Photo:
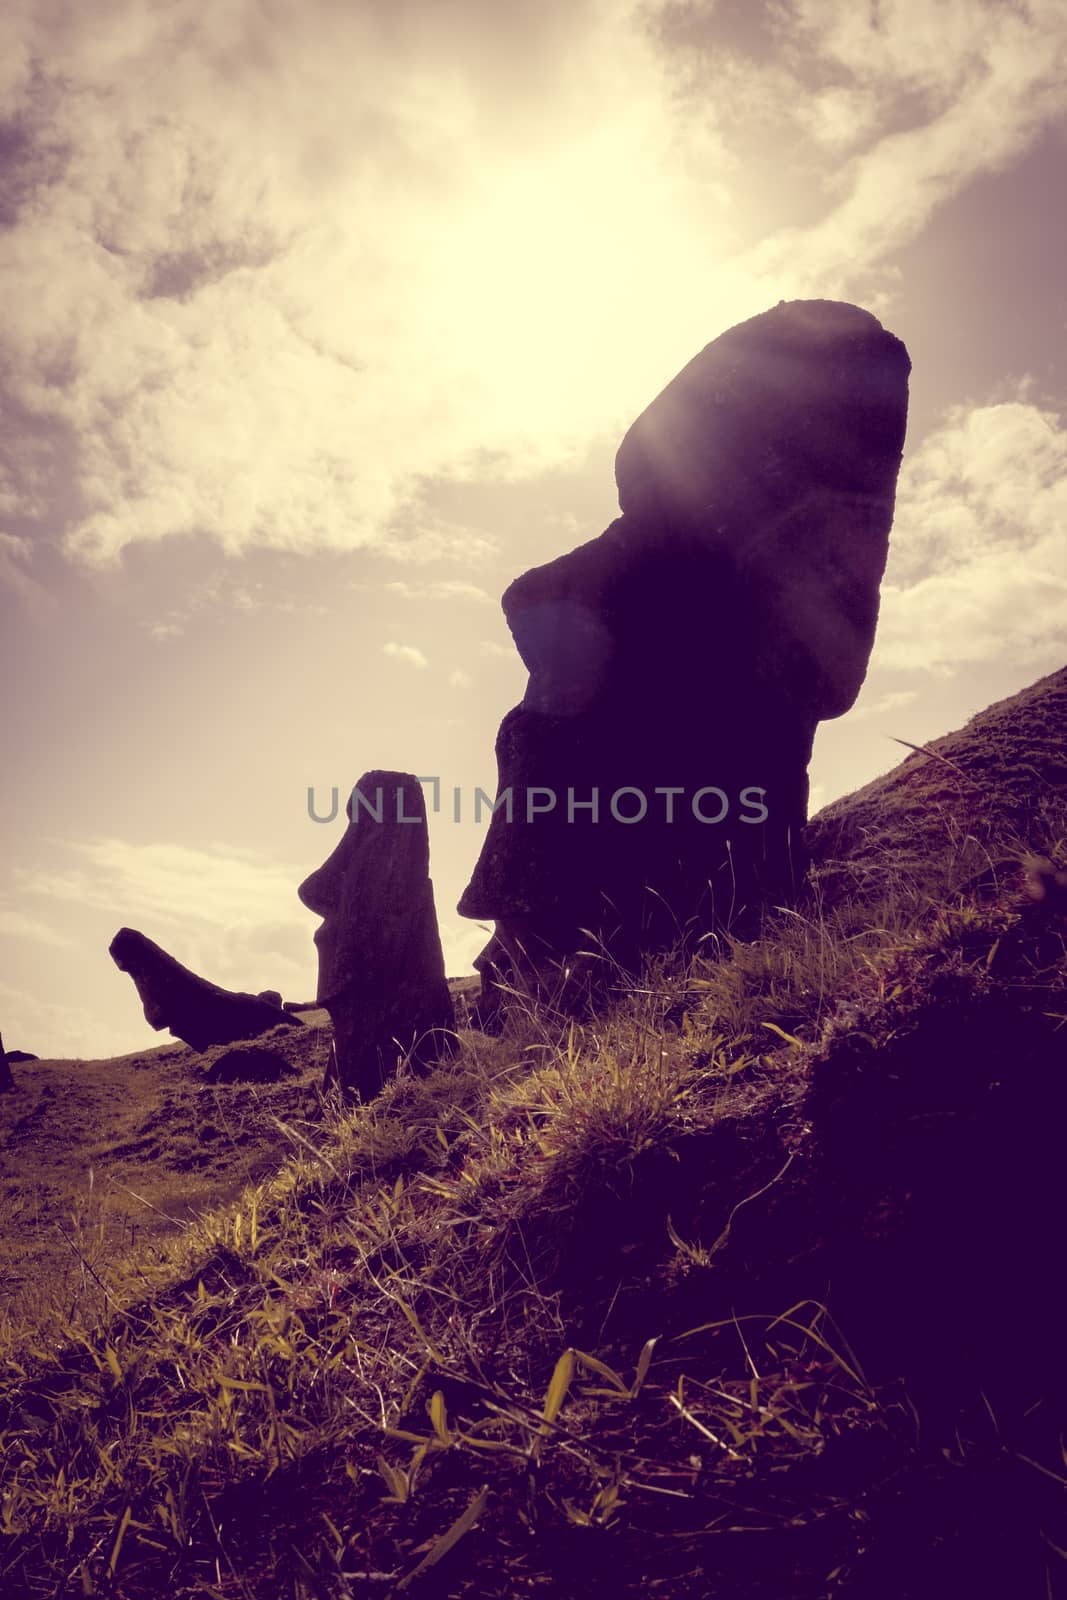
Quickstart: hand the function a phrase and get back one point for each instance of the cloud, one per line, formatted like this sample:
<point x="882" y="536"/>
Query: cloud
<point x="917" y="99"/>
<point x="839" y="118"/>
<point x="460" y="943"/>
<point x="419" y="540"/>
<point x="223" y="594"/>
<point x="409" y="653"/>
<point x="16" y="574"/>
<point x="24" y="474"/>
<point x="907" y="44"/>
<point x="17" y="925"/>
<point x="14" y="548"/>
<point x="272" y="271"/>
<point x="269" y="273"/>
<point x="229" y="915"/>
<point x="891" y="700"/>
<point x="493" y="650"/>
<point x="57" y="1031"/>
<point x="164" y="630"/>
<point x="978" y="561"/>
<point x="443" y="589"/>
<point x="458" y="679"/>
<point x="172" y="882"/>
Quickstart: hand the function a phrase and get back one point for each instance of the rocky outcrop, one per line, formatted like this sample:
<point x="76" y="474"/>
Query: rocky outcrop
<point x="198" y="1012"/>
<point x="381" y="971"/>
<point x="6" y="1080"/>
<point x="680" y="663"/>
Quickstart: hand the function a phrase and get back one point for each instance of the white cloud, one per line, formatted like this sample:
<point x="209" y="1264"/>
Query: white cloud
<point x="53" y="1030"/>
<point x="460" y="943"/>
<point x="921" y="98"/>
<point x="1001" y="610"/>
<point x="434" y="539"/>
<point x="276" y="269"/>
<point x="891" y="700"/>
<point x="493" y="650"/>
<point x="458" y="679"/>
<point x="24" y="475"/>
<point x="909" y="44"/>
<point x="409" y="653"/>
<point x="17" y="925"/>
<point x="230" y="916"/>
<point x="14" y="547"/>
<point x="16" y="575"/>
<point x="173" y="882"/>
<point x="978" y="559"/>
<point x="443" y="589"/>
<point x="989" y="477"/>
<point x="839" y="118"/>
<point x="220" y="595"/>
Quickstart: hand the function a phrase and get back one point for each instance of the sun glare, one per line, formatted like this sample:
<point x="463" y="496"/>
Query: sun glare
<point x="578" y="284"/>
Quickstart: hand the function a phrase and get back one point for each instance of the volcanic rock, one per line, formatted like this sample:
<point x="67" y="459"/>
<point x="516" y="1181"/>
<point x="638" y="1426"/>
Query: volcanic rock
<point x="680" y="663"/>
<point x="381" y="970"/>
<point x="196" y="1011"/>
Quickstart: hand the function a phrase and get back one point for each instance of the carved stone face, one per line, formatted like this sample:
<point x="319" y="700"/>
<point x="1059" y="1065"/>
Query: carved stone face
<point x="381" y="971"/>
<point x="196" y="1011"/>
<point x="382" y="855"/>
<point x="699" y="641"/>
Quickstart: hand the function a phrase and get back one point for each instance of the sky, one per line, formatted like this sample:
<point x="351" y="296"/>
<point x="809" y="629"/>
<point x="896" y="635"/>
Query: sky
<point x="320" y="323"/>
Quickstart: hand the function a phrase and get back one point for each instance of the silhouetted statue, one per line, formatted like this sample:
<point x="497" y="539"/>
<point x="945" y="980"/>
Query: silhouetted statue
<point x="381" y="971"/>
<point x="680" y="662"/>
<point x="197" y="1012"/>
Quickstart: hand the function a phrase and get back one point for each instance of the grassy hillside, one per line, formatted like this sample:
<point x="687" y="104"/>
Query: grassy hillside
<point x="747" y="1286"/>
<point x="99" y="1159"/>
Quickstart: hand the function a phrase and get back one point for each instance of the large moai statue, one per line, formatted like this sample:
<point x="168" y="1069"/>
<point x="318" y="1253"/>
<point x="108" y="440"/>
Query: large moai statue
<point x="653" y="781"/>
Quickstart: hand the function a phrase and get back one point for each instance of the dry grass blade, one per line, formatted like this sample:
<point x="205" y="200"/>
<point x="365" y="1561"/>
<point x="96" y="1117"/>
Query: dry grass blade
<point x="924" y="750"/>
<point x="450" y="1538"/>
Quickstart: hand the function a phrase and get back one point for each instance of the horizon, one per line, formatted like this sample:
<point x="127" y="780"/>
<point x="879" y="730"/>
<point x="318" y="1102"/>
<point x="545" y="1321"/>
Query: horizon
<point x="322" y="328"/>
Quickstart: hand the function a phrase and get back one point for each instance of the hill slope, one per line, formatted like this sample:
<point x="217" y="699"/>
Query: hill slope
<point x="962" y="801"/>
<point x="747" y="1286"/>
<point x="100" y="1157"/>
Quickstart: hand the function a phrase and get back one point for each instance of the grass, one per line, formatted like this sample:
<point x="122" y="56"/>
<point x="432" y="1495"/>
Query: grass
<point x="105" y="1159"/>
<point x="745" y="1285"/>
<point x="319" y="1400"/>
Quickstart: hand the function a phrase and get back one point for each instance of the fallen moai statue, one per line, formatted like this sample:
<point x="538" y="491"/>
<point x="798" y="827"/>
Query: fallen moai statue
<point x="197" y="1012"/>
